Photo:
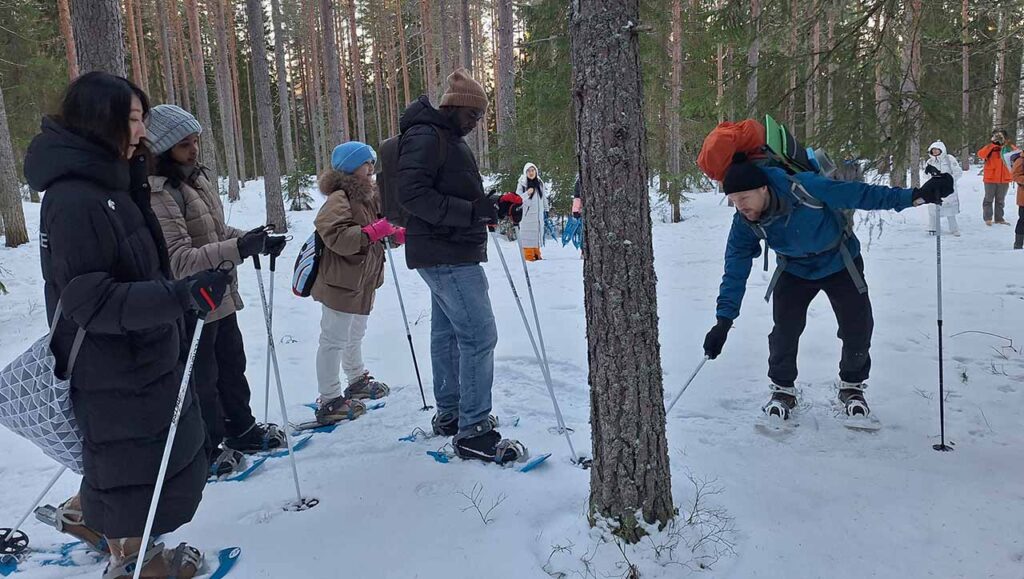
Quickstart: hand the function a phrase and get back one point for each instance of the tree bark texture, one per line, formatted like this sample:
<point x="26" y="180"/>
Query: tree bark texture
<point x="166" y="52"/>
<point x="407" y="91"/>
<point x="631" y="467"/>
<point x="466" y="35"/>
<point x="753" y="57"/>
<point x="181" y="57"/>
<point x="64" y="14"/>
<point x="224" y="96"/>
<point x="236" y="89"/>
<point x="12" y="214"/>
<point x="999" y="92"/>
<point x="133" y="43"/>
<point x="674" y="140"/>
<point x="429" y="58"/>
<point x="282" y="87"/>
<point x="99" y="35"/>
<point x="915" y="112"/>
<point x="336" y="114"/>
<point x="265" y="111"/>
<point x="358" y="84"/>
<point x="140" y="6"/>
<point x="208" y="137"/>
<point x="965" y="85"/>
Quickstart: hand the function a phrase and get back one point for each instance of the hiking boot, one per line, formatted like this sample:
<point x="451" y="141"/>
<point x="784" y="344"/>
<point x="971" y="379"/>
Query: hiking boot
<point x="988" y="222"/>
<point x="367" y="388"/>
<point x="1002" y="222"/>
<point x="851" y="394"/>
<point x="490" y="447"/>
<point x="184" y="562"/>
<point x="337" y="409"/>
<point x="448" y="425"/>
<point x="1018" y="242"/>
<point x="782" y="402"/>
<point x="259" y="437"/>
<point x="226" y="461"/>
<point x="68" y="519"/>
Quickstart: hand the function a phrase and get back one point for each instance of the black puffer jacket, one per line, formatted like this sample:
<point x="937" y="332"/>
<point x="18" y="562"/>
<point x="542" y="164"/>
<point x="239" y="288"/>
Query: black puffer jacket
<point x="103" y="254"/>
<point x="438" y="197"/>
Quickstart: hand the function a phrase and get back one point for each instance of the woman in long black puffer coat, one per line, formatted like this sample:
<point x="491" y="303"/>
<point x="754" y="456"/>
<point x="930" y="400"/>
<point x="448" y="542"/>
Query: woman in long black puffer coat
<point x="103" y="258"/>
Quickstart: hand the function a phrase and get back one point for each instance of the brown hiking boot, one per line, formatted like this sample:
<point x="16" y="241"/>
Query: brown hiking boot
<point x="183" y="562"/>
<point x="68" y="519"/>
<point x="367" y="388"/>
<point x="338" y="409"/>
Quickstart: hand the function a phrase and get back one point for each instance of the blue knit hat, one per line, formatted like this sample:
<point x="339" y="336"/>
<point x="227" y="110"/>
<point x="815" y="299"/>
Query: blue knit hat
<point x="347" y="157"/>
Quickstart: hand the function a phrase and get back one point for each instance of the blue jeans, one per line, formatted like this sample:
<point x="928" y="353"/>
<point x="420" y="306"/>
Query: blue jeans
<point x="462" y="341"/>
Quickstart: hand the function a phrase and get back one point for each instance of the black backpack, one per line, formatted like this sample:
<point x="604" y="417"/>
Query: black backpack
<point x="387" y="176"/>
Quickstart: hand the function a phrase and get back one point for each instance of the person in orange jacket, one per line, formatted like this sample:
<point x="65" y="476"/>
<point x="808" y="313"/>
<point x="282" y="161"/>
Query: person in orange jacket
<point x="997" y="176"/>
<point x="1018" y="177"/>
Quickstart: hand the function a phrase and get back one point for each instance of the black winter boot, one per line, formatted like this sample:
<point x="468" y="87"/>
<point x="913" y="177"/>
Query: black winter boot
<point x="1018" y="241"/>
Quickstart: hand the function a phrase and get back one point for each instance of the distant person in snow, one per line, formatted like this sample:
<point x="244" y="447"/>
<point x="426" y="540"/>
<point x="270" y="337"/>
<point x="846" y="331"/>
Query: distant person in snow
<point x="187" y="204"/>
<point x="534" y="193"/>
<point x="997" y="177"/>
<point x="447" y="241"/>
<point x="801" y="218"/>
<point x="939" y="162"/>
<point x="1018" y="178"/>
<point x="351" y="269"/>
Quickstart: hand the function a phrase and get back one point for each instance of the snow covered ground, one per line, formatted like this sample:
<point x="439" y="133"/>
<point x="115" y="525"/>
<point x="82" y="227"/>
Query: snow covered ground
<point x="822" y="502"/>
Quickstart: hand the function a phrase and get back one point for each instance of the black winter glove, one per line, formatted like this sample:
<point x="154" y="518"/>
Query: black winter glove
<point x="715" y="340"/>
<point x="275" y="245"/>
<point x="485" y="210"/>
<point x="204" y="291"/>
<point x="253" y="242"/>
<point x="932" y="170"/>
<point x="934" y="190"/>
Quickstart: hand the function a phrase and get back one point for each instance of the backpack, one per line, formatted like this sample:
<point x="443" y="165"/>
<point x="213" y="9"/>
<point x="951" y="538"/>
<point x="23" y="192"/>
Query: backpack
<point x="726" y="140"/>
<point x="307" y="265"/>
<point x="387" y="176"/>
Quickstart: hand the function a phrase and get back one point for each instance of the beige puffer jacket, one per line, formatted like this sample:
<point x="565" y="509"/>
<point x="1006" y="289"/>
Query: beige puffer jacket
<point x="199" y="239"/>
<point x="351" y="268"/>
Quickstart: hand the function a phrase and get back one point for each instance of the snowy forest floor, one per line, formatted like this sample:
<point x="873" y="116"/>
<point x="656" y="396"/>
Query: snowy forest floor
<point x="822" y="502"/>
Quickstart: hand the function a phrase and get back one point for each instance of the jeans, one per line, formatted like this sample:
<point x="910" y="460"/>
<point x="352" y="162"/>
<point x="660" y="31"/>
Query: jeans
<point x="341" y="344"/>
<point x="995" y="197"/>
<point x="790" y="301"/>
<point x="219" y="374"/>
<point x="462" y="341"/>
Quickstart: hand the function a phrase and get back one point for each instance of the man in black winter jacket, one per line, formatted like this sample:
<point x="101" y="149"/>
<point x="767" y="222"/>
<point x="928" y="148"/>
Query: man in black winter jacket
<point x="446" y="241"/>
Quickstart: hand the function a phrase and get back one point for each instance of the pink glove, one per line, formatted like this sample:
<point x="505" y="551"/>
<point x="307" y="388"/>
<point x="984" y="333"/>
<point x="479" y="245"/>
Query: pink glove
<point x="378" y="230"/>
<point x="399" y="235"/>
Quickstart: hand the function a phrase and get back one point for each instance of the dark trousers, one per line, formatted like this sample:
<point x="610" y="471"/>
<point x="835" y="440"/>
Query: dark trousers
<point x="790" y="300"/>
<point x="219" y="376"/>
<point x="1019" y="230"/>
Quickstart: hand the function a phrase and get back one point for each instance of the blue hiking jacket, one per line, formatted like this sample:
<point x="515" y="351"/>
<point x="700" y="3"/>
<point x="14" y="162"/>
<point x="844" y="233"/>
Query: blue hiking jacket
<point x="799" y="234"/>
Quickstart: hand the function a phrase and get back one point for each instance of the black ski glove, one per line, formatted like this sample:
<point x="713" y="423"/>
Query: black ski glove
<point x="932" y="170"/>
<point x="934" y="190"/>
<point x="275" y="245"/>
<point x="485" y="211"/>
<point x="253" y="242"/>
<point x="204" y="291"/>
<point x="715" y="340"/>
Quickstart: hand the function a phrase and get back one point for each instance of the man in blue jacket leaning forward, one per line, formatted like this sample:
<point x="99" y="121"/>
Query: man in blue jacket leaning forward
<point x="806" y="219"/>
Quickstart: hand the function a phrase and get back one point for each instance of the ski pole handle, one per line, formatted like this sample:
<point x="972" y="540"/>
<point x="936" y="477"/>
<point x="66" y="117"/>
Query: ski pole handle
<point x="273" y="262"/>
<point x="256" y="262"/>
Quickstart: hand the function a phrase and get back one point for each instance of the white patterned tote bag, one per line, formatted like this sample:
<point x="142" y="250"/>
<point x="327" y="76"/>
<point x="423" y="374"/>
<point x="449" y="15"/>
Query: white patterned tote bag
<point x="36" y="404"/>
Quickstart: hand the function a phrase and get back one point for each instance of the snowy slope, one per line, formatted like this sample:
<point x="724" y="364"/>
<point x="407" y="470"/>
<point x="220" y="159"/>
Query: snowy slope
<point x="823" y="502"/>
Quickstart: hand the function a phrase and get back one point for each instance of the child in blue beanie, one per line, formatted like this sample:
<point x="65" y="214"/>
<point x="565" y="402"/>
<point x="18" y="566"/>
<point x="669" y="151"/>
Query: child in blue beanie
<point x="350" y="271"/>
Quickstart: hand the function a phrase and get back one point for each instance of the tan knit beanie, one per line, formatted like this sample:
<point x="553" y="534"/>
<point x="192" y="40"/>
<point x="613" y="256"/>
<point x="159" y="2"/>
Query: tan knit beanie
<point x="463" y="91"/>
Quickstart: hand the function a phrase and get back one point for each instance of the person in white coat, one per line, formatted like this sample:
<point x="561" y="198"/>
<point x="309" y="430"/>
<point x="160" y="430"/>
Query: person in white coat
<point x="535" y="206"/>
<point x="939" y="161"/>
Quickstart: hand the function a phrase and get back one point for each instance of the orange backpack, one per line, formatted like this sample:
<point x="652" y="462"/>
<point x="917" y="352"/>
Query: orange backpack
<point x="727" y="139"/>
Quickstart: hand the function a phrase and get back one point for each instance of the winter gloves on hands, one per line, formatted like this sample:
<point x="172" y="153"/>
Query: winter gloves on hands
<point x="399" y="236"/>
<point x="932" y="170"/>
<point x="379" y="230"/>
<point x="203" y="292"/>
<point x="275" y="245"/>
<point x="715" y="340"/>
<point x="485" y="211"/>
<point x="934" y="190"/>
<point x="253" y="242"/>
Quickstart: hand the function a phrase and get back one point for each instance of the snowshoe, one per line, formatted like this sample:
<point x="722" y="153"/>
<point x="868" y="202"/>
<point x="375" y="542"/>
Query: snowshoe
<point x="855" y="413"/>
<point x="490" y="447"/>
<point x="448" y="425"/>
<point x="67" y="518"/>
<point x="184" y="562"/>
<point x="227" y="461"/>
<point x="338" y="409"/>
<point x="259" y="438"/>
<point x="367" y="388"/>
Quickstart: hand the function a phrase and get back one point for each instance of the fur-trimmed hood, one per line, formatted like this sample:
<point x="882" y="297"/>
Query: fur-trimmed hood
<point x="333" y="180"/>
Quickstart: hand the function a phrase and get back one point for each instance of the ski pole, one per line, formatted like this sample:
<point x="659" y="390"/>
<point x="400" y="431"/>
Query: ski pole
<point x="547" y="377"/>
<point x="687" y="385"/>
<point x="39" y="499"/>
<point x="405" y="318"/>
<point x="942" y="446"/>
<point x="533" y="303"/>
<point x="182" y="389"/>
<point x="267" y="307"/>
<point x="301" y="504"/>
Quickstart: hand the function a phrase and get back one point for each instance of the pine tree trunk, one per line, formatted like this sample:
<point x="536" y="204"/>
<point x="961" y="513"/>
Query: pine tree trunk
<point x="336" y="115"/>
<point x="311" y="50"/>
<point x="506" y="85"/>
<point x="429" y="62"/>
<point x="404" y="54"/>
<point x="64" y="13"/>
<point x="792" y="48"/>
<point x="466" y="36"/>
<point x="227" y="112"/>
<point x="753" y="57"/>
<point x="915" y="106"/>
<point x="282" y="88"/>
<point x="378" y="83"/>
<point x="181" y="57"/>
<point x="12" y="214"/>
<point x="166" y="53"/>
<point x="236" y="90"/>
<point x="358" y="84"/>
<point x="339" y="26"/>
<point x="631" y="468"/>
<point x="133" y="43"/>
<point x="140" y="31"/>
<point x="208" y="137"/>
<point x="832" y="68"/>
<point x="446" y="59"/>
<point x="720" y="81"/>
<point x="99" y="36"/>
<point x="674" y="141"/>
<point x="265" y="110"/>
<point x="1020" y="107"/>
<point x="999" y="93"/>
<point x="965" y="86"/>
